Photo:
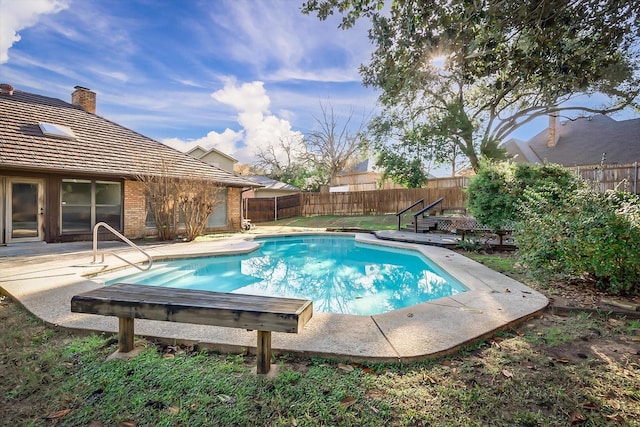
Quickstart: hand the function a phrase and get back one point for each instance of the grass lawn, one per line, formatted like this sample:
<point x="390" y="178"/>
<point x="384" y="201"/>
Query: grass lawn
<point x="550" y="371"/>
<point x="364" y="222"/>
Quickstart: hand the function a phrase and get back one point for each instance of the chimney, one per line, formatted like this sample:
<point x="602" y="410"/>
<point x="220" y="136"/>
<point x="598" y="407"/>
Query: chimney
<point x="6" y="89"/>
<point x="553" y="135"/>
<point x="84" y="98"/>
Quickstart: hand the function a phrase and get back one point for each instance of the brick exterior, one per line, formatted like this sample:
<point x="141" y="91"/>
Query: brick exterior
<point x="135" y="210"/>
<point x="84" y="98"/>
<point x="234" y="209"/>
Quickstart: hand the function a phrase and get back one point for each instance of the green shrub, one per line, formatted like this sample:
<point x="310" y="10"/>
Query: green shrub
<point x="495" y="193"/>
<point x="585" y="236"/>
<point x="564" y="230"/>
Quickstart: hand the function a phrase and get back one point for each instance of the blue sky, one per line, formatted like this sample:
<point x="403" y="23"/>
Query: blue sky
<point x="237" y="75"/>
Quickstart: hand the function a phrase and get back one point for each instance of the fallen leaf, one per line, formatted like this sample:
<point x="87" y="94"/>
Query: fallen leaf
<point x="173" y="410"/>
<point x="225" y="398"/>
<point x="520" y="332"/>
<point x="374" y="410"/>
<point x="347" y="401"/>
<point x="590" y="406"/>
<point x="58" y="414"/>
<point x="507" y="374"/>
<point x="294" y="422"/>
<point x="616" y="417"/>
<point x="635" y="339"/>
<point x="345" y="367"/>
<point x="128" y="424"/>
<point x="577" y="417"/>
<point x="614" y="404"/>
<point x="562" y="360"/>
<point x="374" y="394"/>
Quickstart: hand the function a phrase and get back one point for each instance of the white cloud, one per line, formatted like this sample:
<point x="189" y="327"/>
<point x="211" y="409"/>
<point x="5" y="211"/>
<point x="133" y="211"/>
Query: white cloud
<point x="18" y="15"/>
<point x="260" y="128"/>
<point x="225" y="142"/>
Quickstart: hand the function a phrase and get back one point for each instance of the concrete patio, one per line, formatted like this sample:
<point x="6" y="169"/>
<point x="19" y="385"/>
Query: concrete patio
<point x="44" y="277"/>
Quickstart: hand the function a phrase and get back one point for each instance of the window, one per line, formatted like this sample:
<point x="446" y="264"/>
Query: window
<point x="86" y="202"/>
<point x="218" y="217"/>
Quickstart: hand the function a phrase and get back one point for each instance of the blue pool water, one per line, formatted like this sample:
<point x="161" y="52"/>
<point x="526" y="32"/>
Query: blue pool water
<point x="337" y="273"/>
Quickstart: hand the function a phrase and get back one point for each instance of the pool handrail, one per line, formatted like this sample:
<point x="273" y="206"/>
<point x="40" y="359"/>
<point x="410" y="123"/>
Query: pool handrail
<point x="124" y="239"/>
<point x="399" y="214"/>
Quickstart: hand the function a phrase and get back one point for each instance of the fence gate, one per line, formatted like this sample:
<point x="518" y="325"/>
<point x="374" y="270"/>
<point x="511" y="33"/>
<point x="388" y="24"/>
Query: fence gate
<point x="265" y="209"/>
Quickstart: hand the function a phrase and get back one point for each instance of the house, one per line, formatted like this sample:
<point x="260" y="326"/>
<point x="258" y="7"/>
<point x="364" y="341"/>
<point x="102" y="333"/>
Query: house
<point x="362" y="176"/>
<point x="63" y="169"/>
<point x="214" y="157"/>
<point x="583" y="141"/>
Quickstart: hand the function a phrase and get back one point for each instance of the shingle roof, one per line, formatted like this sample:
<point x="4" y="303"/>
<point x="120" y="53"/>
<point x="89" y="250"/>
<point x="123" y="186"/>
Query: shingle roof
<point x="582" y="142"/>
<point x="101" y="147"/>
<point x="272" y="184"/>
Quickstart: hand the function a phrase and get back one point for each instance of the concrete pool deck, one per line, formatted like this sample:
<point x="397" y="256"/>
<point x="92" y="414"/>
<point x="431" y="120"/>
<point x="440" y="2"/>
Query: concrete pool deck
<point x="44" y="277"/>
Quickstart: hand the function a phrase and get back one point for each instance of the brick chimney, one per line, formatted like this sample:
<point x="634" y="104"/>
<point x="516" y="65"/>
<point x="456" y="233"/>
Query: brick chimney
<point x="553" y="134"/>
<point x="84" y="98"/>
<point x="6" y="89"/>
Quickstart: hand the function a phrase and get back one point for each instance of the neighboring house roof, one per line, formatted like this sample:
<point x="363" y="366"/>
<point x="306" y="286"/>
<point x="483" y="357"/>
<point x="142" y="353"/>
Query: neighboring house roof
<point x="272" y="184"/>
<point x="199" y="152"/>
<point x="368" y="165"/>
<point x="100" y="147"/>
<point x="582" y="142"/>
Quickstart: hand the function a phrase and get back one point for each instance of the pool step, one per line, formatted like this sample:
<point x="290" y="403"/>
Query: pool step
<point x="166" y="277"/>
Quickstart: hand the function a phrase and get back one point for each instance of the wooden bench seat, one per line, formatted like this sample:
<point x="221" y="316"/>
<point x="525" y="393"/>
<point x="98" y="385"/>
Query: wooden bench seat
<point x="261" y="313"/>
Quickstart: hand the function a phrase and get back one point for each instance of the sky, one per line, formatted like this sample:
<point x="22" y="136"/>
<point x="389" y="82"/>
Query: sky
<point x="235" y="75"/>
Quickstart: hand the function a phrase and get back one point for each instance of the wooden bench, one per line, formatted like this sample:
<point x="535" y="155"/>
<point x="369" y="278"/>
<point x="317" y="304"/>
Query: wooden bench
<point x="264" y="314"/>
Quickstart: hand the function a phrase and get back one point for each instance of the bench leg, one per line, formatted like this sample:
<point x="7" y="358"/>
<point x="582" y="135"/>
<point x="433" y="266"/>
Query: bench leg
<point x="125" y="334"/>
<point x="263" y="352"/>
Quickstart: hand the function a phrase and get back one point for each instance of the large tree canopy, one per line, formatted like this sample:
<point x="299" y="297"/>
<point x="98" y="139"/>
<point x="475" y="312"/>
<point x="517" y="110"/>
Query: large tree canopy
<point x="503" y="63"/>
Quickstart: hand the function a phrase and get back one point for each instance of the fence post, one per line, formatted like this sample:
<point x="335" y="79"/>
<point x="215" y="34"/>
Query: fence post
<point x="275" y="208"/>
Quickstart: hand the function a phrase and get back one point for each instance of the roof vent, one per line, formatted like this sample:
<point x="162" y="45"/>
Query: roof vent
<point x="6" y="89"/>
<point x="56" y="131"/>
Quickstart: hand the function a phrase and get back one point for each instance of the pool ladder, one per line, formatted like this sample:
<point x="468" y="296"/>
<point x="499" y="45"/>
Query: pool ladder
<point x="124" y="239"/>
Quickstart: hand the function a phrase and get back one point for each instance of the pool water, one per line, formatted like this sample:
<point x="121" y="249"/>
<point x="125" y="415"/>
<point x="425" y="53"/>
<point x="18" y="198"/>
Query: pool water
<point x="337" y="273"/>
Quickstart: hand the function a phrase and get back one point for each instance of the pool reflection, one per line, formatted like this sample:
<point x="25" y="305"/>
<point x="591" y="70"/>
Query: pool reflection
<point x="337" y="273"/>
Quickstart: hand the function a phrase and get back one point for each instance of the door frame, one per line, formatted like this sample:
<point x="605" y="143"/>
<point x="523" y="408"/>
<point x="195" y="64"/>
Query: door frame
<point x="8" y="222"/>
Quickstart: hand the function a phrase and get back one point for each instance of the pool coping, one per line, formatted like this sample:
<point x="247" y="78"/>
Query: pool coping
<point x="45" y="284"/>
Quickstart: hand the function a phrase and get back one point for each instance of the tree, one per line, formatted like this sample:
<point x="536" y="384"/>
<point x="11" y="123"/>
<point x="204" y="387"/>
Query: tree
<point x="503" y="64"/>
<point x="332" y="144"/>
<point x="171" y="197"/>
<point x="290" y="162"/>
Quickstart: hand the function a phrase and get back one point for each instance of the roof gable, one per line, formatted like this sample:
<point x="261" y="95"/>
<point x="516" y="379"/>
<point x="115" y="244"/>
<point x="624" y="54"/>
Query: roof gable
<point x="101" y="147"/>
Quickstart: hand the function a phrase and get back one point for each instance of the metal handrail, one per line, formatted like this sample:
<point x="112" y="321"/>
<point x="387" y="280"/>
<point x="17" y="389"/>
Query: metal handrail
<point x="124" y="239"/>
<point x="422" y="211"/>
<point x="399" y="214"/>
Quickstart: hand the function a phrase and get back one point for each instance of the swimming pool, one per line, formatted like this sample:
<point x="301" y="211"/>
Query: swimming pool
<point x="339" y="274"/>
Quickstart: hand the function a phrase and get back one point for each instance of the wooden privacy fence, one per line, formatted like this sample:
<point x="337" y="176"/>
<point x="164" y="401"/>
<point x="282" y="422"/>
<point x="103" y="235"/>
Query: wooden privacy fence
<point x="610" y="177"/>
<point x="376" y="202"/>
<point x="265" y="209"/>
<point x="351" y="203"/>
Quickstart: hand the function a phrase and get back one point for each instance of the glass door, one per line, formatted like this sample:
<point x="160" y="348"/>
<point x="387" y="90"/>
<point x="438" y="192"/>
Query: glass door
<point x="25" y="210"/>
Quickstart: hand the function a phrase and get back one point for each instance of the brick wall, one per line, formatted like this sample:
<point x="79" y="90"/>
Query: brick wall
<point x="234" y="208"/>
<point x="135" y="212"/>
